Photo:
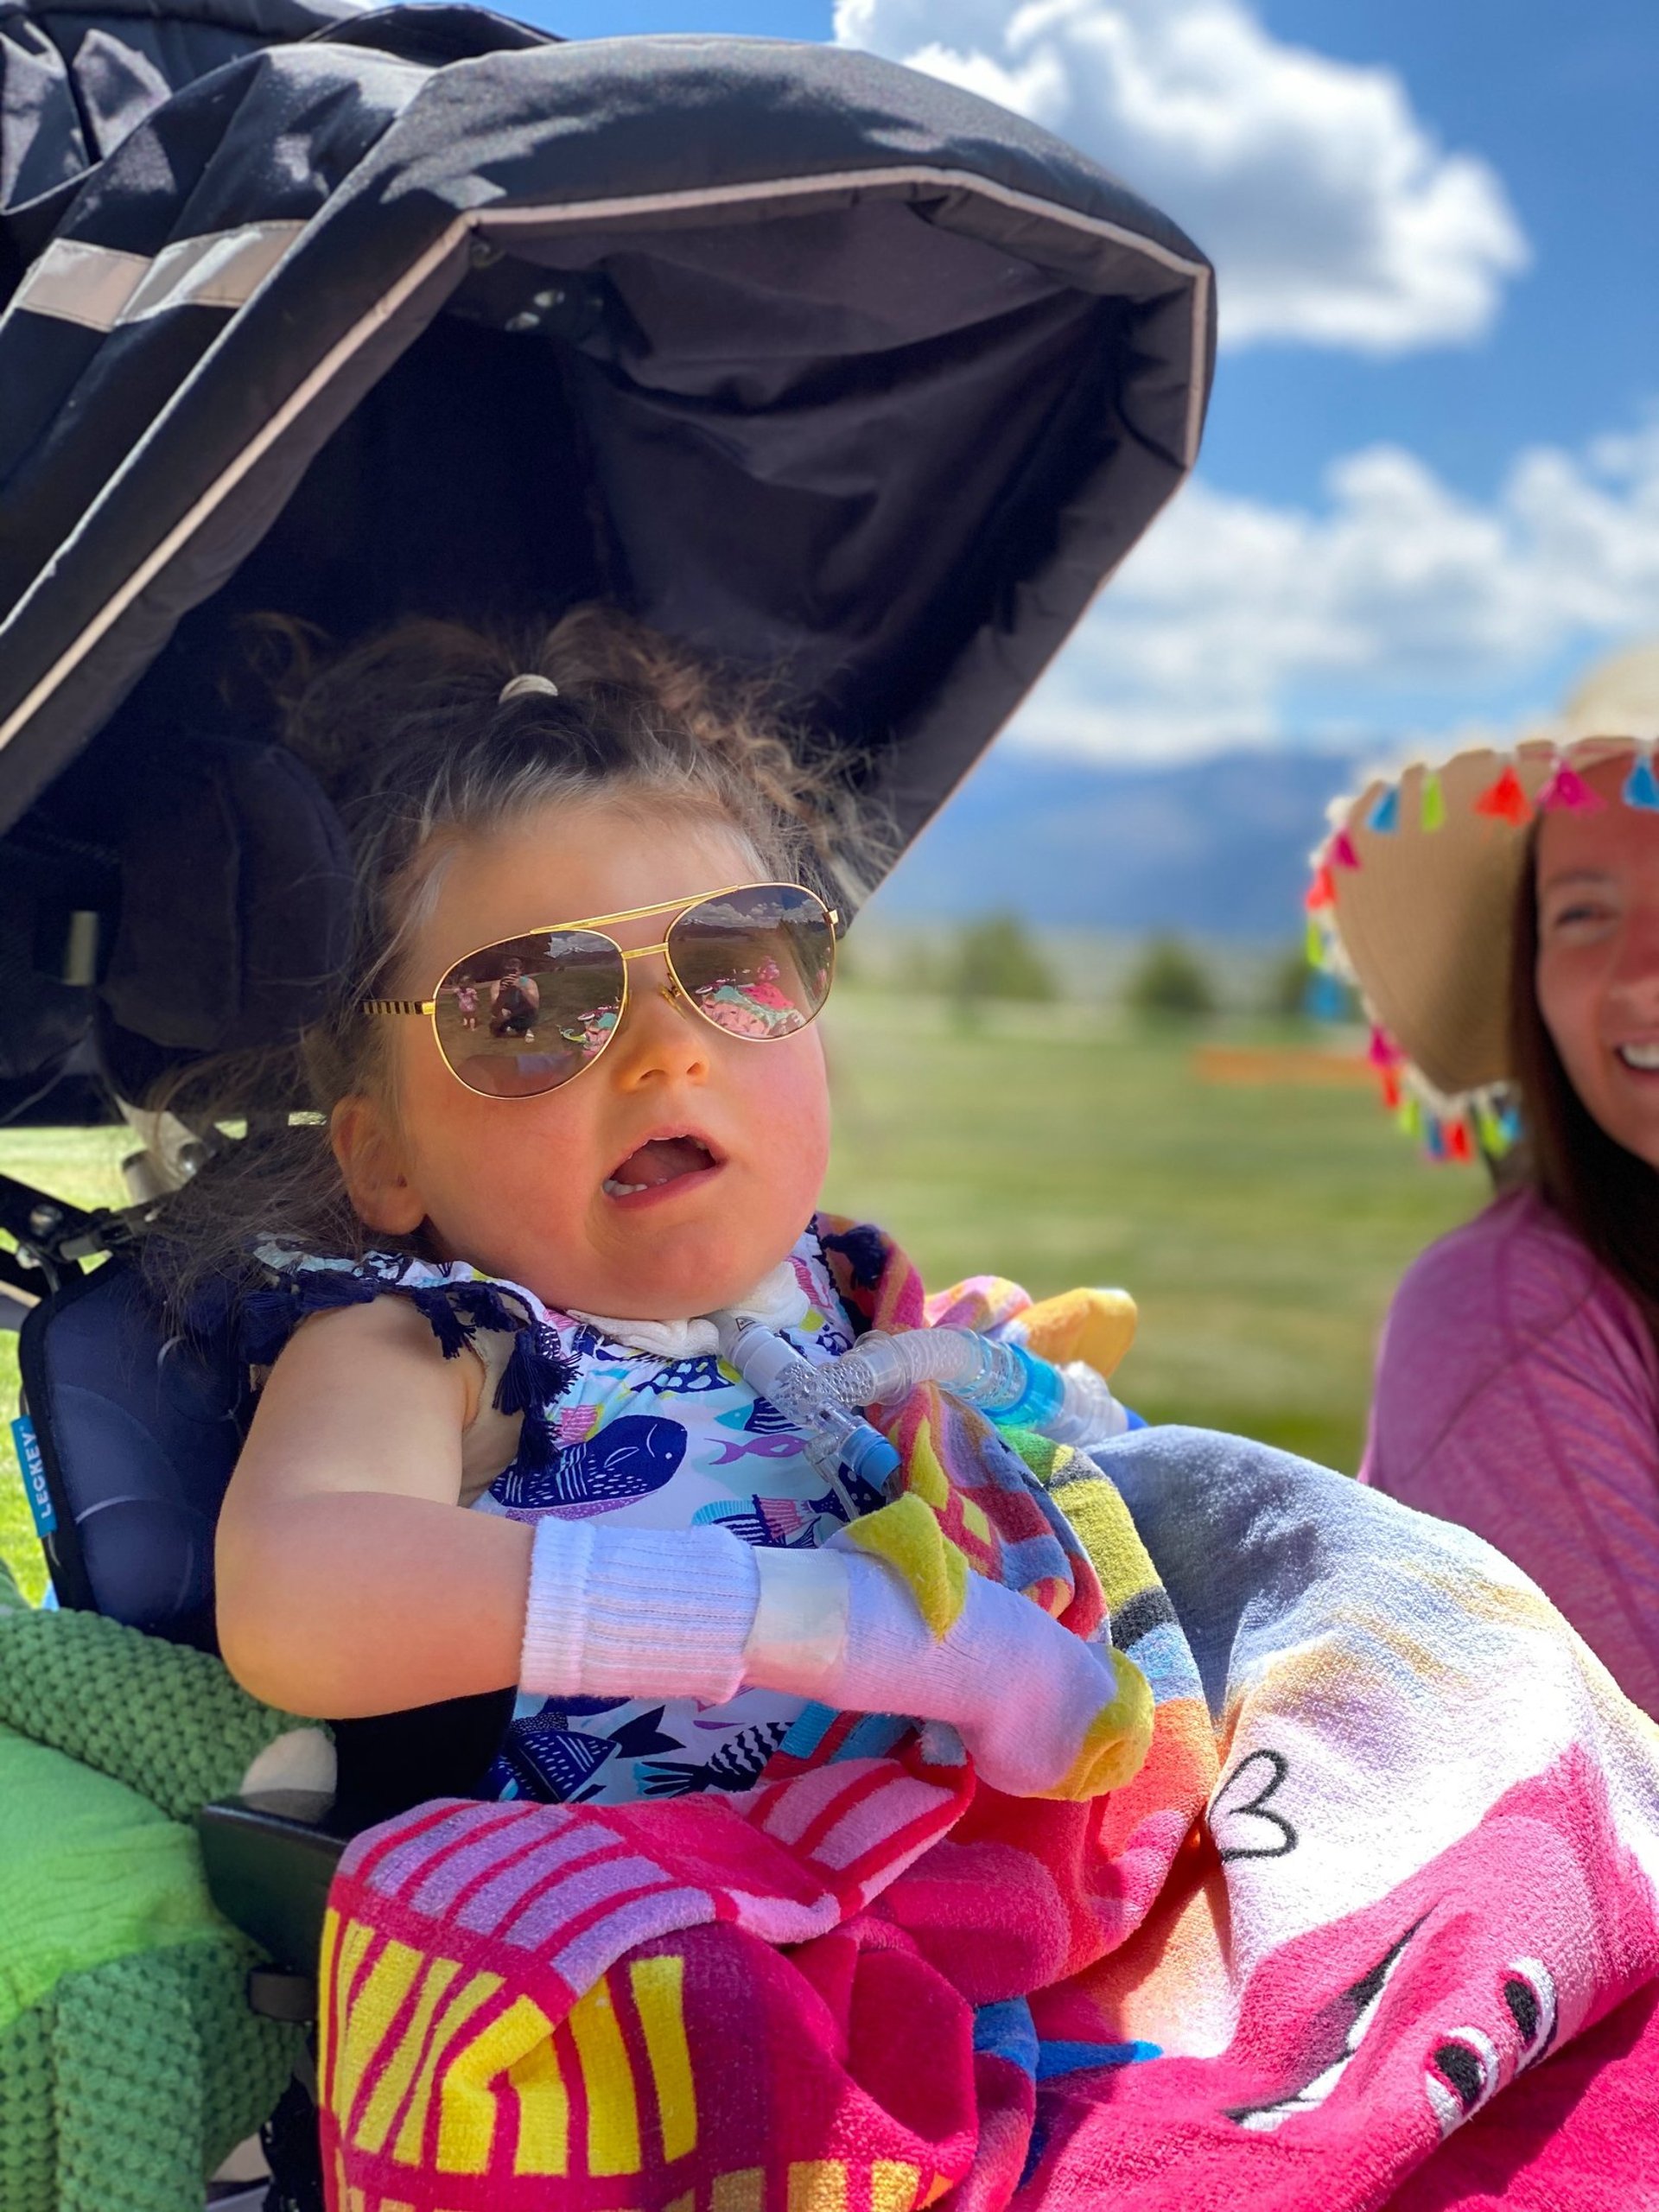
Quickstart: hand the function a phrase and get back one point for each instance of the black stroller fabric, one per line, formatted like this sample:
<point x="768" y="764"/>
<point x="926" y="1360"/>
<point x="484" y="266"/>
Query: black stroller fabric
<point x="811" y="361"/>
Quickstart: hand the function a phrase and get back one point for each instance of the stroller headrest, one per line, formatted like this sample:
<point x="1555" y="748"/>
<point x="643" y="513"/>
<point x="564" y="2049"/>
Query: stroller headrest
<point x="213" y="921"/>
<point x="51" y="909"/>
<point x="234" y="908"/>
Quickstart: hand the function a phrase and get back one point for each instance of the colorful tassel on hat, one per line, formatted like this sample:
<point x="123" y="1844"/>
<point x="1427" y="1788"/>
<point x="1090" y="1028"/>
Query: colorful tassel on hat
<point x="1340" y="851"/>
<point x="1458" y="1146"/>
<point x="1492" y="1128"/>
<point x="1391" y="1088"/>
<point x="1384" y="817"/>
<point x="1567" y="792"/>
<point x="1505" y="800"/>
<point x="1322" y="892"/>
<point x="1328" y="998"/>
<point x="1382" y="1051"/>
<point x="1315" y="944"/>
<point x="1434" y="802"/>
<point x="1641" y="786"/>
<point x="1410" y="1115"/>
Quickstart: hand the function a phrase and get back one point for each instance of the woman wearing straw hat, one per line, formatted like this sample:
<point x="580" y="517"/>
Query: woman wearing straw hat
<point x="1500" y="916"/>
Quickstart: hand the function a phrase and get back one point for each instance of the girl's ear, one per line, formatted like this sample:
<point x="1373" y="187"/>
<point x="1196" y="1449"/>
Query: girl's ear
<point x="370" y="1156"/>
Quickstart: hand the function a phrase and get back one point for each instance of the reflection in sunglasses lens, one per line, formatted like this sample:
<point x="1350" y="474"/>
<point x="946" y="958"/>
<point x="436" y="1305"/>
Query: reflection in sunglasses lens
<point x="758" y="961"/>
<point x="524" y="1016"/>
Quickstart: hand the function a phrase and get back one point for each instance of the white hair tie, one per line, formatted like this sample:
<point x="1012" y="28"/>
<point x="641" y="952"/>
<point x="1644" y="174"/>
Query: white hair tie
<point x="519" y="687"/>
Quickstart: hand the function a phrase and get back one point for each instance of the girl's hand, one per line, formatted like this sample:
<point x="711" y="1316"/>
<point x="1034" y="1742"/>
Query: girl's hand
<point x="1033" y="1704"/>
<point x="642" y="1612"/>
<point x="350" y="1580"/>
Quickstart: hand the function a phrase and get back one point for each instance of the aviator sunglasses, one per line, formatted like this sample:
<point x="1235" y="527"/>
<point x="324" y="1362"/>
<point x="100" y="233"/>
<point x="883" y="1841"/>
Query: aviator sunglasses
<point x="522" y="1017"/>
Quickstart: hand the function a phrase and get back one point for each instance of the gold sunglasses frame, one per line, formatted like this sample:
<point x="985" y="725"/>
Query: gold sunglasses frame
<point x="675" y="988"/>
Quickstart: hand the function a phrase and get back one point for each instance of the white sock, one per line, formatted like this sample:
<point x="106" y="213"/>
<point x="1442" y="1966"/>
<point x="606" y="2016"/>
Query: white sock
<point x="637" y="1612"/>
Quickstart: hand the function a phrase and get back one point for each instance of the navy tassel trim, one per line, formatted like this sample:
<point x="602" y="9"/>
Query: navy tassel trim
<point x="454" y="1312"/>
<point x="268" y="1317"/>
<point x="539" y="1373"/>
<point x="484" y="1305"/>
<point x="437" y="1307"/>
<point x="539" y="1450"/>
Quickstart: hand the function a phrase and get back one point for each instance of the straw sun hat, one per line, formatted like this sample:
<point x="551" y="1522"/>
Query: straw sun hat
<point x="1413" y="891"/>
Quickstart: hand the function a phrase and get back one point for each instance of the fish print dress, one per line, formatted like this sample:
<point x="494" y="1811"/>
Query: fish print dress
<point x="615" y="1434"/>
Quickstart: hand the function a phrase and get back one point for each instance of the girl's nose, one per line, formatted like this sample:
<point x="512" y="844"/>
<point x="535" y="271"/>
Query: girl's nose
<point x="662" y="1037"/>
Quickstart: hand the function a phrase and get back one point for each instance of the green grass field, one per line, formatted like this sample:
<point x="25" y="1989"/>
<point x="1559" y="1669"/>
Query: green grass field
<point x="1261" y="1229"/>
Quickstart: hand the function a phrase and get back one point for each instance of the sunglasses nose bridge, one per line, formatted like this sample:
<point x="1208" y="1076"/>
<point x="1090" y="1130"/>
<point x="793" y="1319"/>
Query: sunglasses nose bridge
<point x="665" y="984"/>
<point x="659" y="980"/>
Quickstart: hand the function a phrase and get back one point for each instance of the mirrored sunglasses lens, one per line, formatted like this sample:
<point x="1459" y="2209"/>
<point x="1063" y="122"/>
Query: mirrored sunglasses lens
<point x="525" y="1015"/>
<point x="758" y="961"/>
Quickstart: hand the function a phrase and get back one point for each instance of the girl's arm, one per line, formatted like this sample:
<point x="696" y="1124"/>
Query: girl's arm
<point x="350" y="1580"/>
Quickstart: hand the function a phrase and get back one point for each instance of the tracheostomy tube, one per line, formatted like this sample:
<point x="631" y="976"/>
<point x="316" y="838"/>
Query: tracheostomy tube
<point x="847" y="1449"/>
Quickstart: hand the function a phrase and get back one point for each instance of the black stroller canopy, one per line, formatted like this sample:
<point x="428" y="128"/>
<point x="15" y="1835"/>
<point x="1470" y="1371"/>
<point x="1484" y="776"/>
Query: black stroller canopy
<point x="808" y="360"/>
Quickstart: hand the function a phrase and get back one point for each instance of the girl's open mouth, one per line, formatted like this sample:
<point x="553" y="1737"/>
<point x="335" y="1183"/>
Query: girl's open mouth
<point x="660" y="1166"/>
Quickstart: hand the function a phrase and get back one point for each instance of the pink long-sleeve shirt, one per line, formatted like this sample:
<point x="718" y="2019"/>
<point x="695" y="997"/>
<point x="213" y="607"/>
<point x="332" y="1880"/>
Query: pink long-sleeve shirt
<point x="1517" y="1392"/>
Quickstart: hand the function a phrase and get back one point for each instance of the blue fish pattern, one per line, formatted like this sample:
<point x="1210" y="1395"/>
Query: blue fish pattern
<point x="628" y="1460"/>
<point x="666" y="1444"/>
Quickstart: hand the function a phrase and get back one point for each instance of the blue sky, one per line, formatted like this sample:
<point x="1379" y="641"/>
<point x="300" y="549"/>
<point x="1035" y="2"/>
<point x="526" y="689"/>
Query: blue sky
<point x="1429" y="496"/>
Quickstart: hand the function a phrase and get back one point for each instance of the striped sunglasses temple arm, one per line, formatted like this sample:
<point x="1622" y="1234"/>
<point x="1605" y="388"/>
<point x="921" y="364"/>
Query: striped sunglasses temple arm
<point x="396" y="1006"/>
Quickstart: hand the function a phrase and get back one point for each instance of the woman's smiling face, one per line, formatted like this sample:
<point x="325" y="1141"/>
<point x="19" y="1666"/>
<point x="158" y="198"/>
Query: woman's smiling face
<point x="519" y="1186"/>
<point x="1597" y="879"/>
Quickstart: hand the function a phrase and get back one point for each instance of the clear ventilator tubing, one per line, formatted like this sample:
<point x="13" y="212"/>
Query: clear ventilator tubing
<point x="1069" y="1405"/>
<point x="881" y="1370"/>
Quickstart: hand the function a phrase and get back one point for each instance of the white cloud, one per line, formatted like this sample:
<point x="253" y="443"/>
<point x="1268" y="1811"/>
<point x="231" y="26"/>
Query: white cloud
<point x="1332" y="215"/>
<point x="1232" y="612"/>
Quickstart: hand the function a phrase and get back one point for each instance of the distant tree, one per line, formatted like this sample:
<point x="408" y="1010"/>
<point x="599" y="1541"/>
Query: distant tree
<point x="1289" y="987"/>
<point x="997" y="957"/>
<point x="921" y="966"/>
<point x="1171" y="980"/>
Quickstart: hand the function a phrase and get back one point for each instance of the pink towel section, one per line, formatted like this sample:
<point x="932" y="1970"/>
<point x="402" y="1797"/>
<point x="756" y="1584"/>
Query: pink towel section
<point x="1374" y="1929"/>
<point x="1517" y="1394"/>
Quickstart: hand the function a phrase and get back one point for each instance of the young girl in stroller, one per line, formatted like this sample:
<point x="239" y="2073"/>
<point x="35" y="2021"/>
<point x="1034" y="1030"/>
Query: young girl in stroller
<point x="499" y="1444"/>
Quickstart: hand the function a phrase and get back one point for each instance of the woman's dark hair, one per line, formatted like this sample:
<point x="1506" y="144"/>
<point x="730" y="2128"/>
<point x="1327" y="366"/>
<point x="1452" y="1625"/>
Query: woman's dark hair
<point x="1607" y="1196"/>
<point x="410" y="738"/>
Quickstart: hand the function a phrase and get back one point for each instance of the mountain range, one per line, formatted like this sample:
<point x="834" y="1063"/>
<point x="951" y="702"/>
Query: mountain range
<point x="1214" y="848"/>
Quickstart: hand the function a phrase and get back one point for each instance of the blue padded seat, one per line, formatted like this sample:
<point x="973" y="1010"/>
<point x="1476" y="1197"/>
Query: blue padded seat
<point x="138" y="1430"/>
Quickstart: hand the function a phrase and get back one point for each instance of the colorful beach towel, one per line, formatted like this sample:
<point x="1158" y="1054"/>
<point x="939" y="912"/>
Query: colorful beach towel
<point x="1391" y="1844"/>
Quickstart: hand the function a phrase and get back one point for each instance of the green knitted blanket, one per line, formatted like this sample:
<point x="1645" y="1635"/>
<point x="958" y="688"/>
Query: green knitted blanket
<point x="129" y="2064"/>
